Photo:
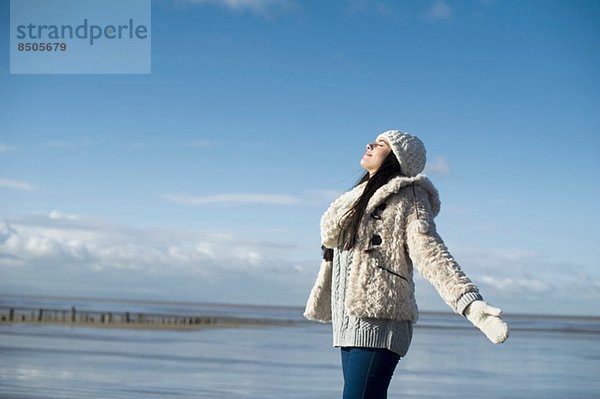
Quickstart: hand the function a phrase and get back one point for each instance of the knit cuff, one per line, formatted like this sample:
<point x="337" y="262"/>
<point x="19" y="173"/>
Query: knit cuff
<point x="466" y="300"/>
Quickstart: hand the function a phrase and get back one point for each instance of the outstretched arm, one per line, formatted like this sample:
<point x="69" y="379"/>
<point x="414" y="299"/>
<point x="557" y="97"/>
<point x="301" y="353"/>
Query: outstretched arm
<point x="433" y="260"/>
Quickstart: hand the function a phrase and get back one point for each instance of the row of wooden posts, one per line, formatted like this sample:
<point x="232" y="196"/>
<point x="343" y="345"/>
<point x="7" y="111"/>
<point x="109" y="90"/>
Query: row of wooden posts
<point x="66" y="316"/>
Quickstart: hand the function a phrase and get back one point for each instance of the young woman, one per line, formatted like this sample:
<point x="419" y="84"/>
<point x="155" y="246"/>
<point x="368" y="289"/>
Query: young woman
<point x="371" y="237"/>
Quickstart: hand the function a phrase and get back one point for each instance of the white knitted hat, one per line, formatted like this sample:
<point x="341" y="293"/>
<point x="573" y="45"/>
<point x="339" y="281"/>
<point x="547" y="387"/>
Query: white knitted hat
<point x="408" y="149"/>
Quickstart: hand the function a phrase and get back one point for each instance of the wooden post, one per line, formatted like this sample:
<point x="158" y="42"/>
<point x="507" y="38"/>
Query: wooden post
<point x="73" y="314"/>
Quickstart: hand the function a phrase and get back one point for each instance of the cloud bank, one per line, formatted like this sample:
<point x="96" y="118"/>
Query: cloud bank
<point x="260" y="7"/>
<point x="60" y="253"/>
<point x="439" y="10"/>
<point x="16" y="184"/>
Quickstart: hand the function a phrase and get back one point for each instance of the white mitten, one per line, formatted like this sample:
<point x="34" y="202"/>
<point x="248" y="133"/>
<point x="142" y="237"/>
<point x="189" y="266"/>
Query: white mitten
<point x="487" y="319"/>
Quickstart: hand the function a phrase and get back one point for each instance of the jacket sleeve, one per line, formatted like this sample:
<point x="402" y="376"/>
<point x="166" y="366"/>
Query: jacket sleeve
<point x="432" y="258"/>
<point x="318" y="306"/>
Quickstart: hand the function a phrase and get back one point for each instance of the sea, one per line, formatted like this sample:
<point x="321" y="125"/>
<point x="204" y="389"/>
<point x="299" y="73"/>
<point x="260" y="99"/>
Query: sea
<point x="545" y="357"/>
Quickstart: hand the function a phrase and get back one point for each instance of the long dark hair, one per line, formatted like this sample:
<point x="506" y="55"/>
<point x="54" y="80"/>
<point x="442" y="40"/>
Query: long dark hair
<point x="350" y="221"/>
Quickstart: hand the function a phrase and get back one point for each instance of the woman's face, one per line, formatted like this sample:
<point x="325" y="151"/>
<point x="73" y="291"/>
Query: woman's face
<point x="375" y="155"/>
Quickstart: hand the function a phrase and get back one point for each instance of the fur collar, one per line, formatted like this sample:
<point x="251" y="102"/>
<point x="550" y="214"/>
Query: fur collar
<point x="329" y="225"/>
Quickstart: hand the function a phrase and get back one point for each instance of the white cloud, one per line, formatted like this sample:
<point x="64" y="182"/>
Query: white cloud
<point x="155" y="142"/>
<point x="526" y="272"/>
<point x="57" y="215"/>
<point x="5" y="148"/>
<point x="520" y="280"/>
<point x="76" y="143"/>
<point x="438" y="10"/>
<point x="517" y="285"/>
<point x="261" y="7"/>
<point x="439" y="167"/>
<point x="380" y="7"/>
<point x="311" y="197"/>
<point x="233" y="198"/>
<point x="55" y="253"/>
<point x="320" y="197"/>
<point x="17" y="184"/>
<point x="59" y="239"/>
<point x="202" y="143"/>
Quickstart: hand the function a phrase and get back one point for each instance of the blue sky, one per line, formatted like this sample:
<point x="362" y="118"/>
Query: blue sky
<point x="205" y="180"/>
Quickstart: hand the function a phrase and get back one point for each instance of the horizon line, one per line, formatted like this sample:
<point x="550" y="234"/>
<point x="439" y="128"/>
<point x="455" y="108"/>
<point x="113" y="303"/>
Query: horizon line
<point x="258" y="305"/>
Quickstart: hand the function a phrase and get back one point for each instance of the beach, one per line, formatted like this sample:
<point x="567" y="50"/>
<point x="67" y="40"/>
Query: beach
<point x="545" y="357"/>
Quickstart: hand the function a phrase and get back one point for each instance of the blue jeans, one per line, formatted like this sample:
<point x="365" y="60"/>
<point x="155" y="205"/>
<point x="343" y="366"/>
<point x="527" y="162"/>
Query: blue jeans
<point x="367" y="372"/>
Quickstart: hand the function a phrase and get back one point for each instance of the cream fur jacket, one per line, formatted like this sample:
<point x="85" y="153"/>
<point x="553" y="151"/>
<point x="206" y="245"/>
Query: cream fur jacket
<point x="397" y="231"/>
